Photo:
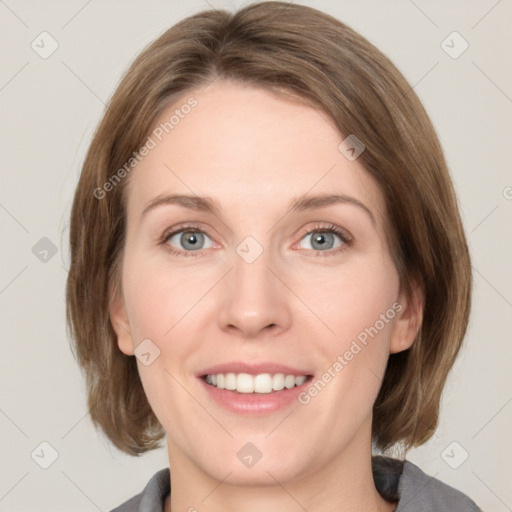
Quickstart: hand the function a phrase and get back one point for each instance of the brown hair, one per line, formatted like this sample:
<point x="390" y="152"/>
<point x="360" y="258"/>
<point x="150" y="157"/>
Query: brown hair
<point x="294" y="48"/>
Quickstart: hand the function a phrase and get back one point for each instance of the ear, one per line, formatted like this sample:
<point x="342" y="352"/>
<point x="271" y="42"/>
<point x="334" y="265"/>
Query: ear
<point x="407" y="321"/>
<point x="120" y="324"/>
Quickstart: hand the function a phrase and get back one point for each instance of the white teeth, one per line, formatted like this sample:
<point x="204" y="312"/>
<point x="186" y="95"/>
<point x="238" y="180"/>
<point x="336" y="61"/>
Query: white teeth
<point x="278" y="382"/>
<point x="244" y="383"/>
<point x="230" y="381"/>
<point x="300" y="380"/>
<point x="261" y="383"/>
<point x="289" y="382"/>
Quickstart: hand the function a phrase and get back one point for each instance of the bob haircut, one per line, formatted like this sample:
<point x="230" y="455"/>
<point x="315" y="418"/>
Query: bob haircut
<point x="304" y="53"/>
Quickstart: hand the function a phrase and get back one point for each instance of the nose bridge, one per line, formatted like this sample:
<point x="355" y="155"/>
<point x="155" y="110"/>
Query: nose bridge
<point x="251" y="270"/>
<point x="254" y="298"/>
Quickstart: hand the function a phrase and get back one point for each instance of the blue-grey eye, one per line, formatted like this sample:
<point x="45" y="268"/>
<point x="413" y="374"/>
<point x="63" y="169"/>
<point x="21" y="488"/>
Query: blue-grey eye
<point x="322" y="240"/>
<point x="190" y="240"/>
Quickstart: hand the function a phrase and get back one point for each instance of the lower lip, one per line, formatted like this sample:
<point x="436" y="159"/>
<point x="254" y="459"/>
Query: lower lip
<point x="254" y="403"/>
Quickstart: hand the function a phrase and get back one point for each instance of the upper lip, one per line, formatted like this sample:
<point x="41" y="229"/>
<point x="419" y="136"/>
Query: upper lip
<point x="252" y="369"/>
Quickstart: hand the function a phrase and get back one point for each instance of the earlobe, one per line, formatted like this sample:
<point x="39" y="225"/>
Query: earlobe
<point x="120" y="324"/>
<point x="407" y="322"/>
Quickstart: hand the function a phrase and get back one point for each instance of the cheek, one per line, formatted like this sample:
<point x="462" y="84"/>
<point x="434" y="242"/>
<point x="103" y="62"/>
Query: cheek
<point x="160" y="305"/>
<point x="352" y="301"/>
<point x="160" y="298"/>
<point x="359" y="307"/>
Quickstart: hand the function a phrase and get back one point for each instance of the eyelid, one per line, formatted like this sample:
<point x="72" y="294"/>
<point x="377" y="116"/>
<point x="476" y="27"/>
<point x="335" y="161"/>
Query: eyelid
<point x="345" y="236"/>
<point x="328" y="227"/>
<point x="182" y="228"/>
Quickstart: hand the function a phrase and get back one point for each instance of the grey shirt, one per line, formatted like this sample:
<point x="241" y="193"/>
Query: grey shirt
<point x="405" y="482"/>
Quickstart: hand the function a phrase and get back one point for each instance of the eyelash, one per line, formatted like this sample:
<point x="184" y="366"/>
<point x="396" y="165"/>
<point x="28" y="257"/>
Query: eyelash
<point x="345" y="237"/>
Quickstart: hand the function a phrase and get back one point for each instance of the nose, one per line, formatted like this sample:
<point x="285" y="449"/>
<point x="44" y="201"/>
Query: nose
<point x="254" y="299"/>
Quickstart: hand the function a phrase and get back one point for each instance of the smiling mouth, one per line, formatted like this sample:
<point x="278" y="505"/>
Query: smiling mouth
<point x="262" y="383"/>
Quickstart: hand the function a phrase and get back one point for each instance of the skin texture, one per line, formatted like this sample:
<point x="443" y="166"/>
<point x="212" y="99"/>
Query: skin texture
<point x="253" y="153"/>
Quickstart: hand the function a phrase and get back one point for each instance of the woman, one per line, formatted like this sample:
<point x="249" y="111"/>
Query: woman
<point x="268" y="266"/>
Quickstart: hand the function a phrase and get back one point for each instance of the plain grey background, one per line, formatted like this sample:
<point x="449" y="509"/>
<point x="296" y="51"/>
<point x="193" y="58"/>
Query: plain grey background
<point x="50" y="106"/>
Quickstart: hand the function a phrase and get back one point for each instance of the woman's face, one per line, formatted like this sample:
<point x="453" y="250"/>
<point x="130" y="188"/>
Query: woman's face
<point x="233" y="284"/>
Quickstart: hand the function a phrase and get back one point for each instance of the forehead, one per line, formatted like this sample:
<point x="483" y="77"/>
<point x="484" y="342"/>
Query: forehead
<point x="247" y="146"/>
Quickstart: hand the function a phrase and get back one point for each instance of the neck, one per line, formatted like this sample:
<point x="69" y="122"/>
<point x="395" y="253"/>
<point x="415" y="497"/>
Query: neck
<point x="344" y="484"/>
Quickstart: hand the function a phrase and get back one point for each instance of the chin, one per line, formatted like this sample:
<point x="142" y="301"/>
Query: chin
<point x="246" y="465"/>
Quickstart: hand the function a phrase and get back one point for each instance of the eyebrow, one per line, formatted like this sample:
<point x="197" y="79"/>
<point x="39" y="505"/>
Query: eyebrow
<point x="207" y="204"/>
